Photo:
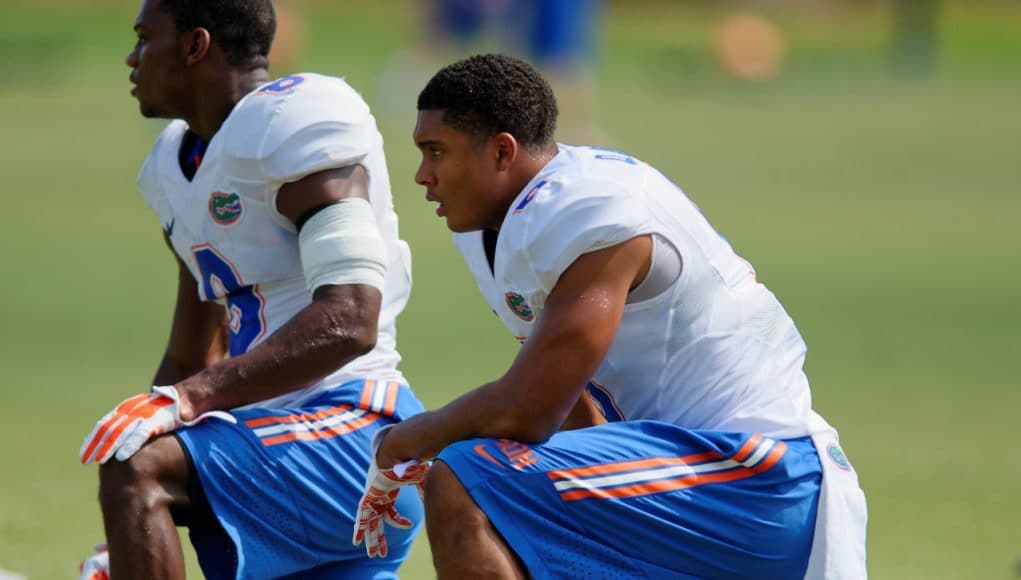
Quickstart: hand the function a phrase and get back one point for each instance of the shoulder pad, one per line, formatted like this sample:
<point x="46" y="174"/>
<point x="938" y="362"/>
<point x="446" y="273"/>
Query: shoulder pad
<point x="568" y="218"/>
<point x="273" y="113"/>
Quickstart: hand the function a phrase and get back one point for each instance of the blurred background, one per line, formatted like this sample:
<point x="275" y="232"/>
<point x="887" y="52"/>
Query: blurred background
<point x="865" y="155"/>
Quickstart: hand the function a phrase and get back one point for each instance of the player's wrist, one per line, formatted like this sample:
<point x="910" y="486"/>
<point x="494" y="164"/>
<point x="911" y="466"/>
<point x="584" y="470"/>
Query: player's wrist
<point x="393" y="447"/>
<point x="186" y="407"/>
<point x="384" y="451"/>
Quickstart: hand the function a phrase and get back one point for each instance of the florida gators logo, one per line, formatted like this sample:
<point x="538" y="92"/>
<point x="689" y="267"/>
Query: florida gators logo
<point x="225" y="208"/>
<point x="519" y="306"/>
<point x="837" y="456"/>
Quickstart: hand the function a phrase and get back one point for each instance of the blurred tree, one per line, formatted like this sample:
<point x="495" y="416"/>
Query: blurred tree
<point x="915" y="43"/>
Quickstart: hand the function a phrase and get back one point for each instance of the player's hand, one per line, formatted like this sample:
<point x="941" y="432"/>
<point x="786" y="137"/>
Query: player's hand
<point x="123" y="431"/>
<point x="96" y="566"/>
<point x="377" y="506"/>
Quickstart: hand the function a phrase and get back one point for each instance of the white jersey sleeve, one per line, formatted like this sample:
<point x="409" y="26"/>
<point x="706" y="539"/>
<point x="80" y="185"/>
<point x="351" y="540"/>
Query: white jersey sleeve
<point x="300" y="125"/>
<point x="563" y="226"/>
<point x="574" y="217"/>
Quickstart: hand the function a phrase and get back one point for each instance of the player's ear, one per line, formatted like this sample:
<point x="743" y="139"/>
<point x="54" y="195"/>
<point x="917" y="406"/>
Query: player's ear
<point x="506" y="150"/>
<point x="198" y="43"/>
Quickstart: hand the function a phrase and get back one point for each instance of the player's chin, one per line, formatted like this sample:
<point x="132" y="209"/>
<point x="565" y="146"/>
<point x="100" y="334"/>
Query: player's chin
<point x="147" y="111"/>
<point x="458" y="227"/>
<point x="459" y="222"/>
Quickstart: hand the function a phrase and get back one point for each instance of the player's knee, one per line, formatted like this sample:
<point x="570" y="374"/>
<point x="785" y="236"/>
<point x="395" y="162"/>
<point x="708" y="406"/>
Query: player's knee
<point x="145" y="477"/>
<point x="447" y="502"/>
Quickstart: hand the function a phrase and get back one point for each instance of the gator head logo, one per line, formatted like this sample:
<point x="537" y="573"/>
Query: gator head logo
<point x="224" y="208"/>
<point x="837" y="456"/>
<point x="519" y="306"/>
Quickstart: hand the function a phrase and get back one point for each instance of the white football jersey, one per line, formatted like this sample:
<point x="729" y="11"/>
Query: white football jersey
<point x="225" y="226"/>
<point x="715" y="350"/>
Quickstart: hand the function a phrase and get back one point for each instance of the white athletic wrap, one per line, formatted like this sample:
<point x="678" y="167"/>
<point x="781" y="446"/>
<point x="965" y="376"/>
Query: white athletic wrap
<point x="341" y="244"/>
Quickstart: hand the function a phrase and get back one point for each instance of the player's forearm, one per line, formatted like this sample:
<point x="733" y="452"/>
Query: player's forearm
<point x="475" y="414"/>
<point x="320" y="339"/>
<point x="186" y="356"/>
<point x="495" y="410"/>
<point x="172" y="371"/>
<point x="529" y="403"/>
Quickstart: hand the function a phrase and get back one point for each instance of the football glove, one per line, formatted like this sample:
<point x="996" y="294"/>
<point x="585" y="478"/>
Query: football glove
<point x="377" y="506"/>
<point x="96" y="566"/>
<point x="123" y="431"/>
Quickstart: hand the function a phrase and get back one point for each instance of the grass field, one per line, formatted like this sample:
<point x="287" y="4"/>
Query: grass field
<point x="882" y="211"/>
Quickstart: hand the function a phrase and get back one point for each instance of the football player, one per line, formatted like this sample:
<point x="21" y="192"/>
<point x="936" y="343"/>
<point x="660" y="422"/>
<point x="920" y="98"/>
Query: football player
<point x="712" y="463"/>
<point x="275" y="200"/>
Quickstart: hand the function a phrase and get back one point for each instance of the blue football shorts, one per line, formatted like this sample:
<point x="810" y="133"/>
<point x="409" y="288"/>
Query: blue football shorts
<point x="644" y="499"/>
<point x="284" y="484"/>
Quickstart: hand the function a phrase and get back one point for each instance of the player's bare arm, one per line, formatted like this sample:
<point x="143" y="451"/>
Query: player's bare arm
<point x="198" y="333"/>
<point x="338" y="326"/>
<point x="537" y="394"/>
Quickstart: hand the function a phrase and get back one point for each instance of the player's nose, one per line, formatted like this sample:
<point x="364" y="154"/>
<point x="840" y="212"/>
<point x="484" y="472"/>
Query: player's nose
<point x="425" y="176"/>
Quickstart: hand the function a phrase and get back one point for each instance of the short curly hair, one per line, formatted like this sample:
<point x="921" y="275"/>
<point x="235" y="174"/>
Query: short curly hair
<point x="488" y="94"/>
<point x="243" y="29"/>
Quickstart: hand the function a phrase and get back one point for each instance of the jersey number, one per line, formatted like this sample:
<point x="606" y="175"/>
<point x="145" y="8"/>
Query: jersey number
<point x="613" y="155"/>
<point x="245" y="305"/>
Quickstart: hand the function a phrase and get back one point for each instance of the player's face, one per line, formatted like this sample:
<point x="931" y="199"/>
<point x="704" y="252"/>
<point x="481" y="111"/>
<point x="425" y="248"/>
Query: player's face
<point x="459" y="174"/>
<point x="156" y="61"/>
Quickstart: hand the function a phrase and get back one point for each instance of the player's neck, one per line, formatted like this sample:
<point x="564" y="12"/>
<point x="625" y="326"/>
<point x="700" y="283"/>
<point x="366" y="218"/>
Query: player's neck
<point x="531" y="165"/>
<point x="523" y="173"/>
<point x="215" y="100"/>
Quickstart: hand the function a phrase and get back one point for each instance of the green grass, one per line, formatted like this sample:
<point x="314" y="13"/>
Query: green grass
<point x="880" y="210"/>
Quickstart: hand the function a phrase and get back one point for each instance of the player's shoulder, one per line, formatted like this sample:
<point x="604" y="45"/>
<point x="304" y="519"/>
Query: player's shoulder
<point x="577" y="195"/>
<point x="468" y="242"/>
<point x="169" y="139"/>
<point x="293" y="96"/>
<point x="576" y="182"/>
<point x="277" y="110"/>
<point x="599" y="169"/>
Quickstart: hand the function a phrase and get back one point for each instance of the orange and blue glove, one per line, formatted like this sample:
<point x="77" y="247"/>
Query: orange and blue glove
<point x="123" y="431"/>
<point x="378" y="504"/>
<point x="96" y="566"/>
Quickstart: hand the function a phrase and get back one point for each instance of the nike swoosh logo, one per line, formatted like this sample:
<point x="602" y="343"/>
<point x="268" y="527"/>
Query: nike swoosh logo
<point x="169" y="227"/>
<point x="481" y="450"/>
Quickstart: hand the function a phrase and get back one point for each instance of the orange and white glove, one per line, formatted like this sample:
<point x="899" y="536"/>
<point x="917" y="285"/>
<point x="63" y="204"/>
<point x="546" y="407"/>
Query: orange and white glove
<point x="96" y="566"/>
<point x="123" y="431"/>
<point x="377" y="506"/>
